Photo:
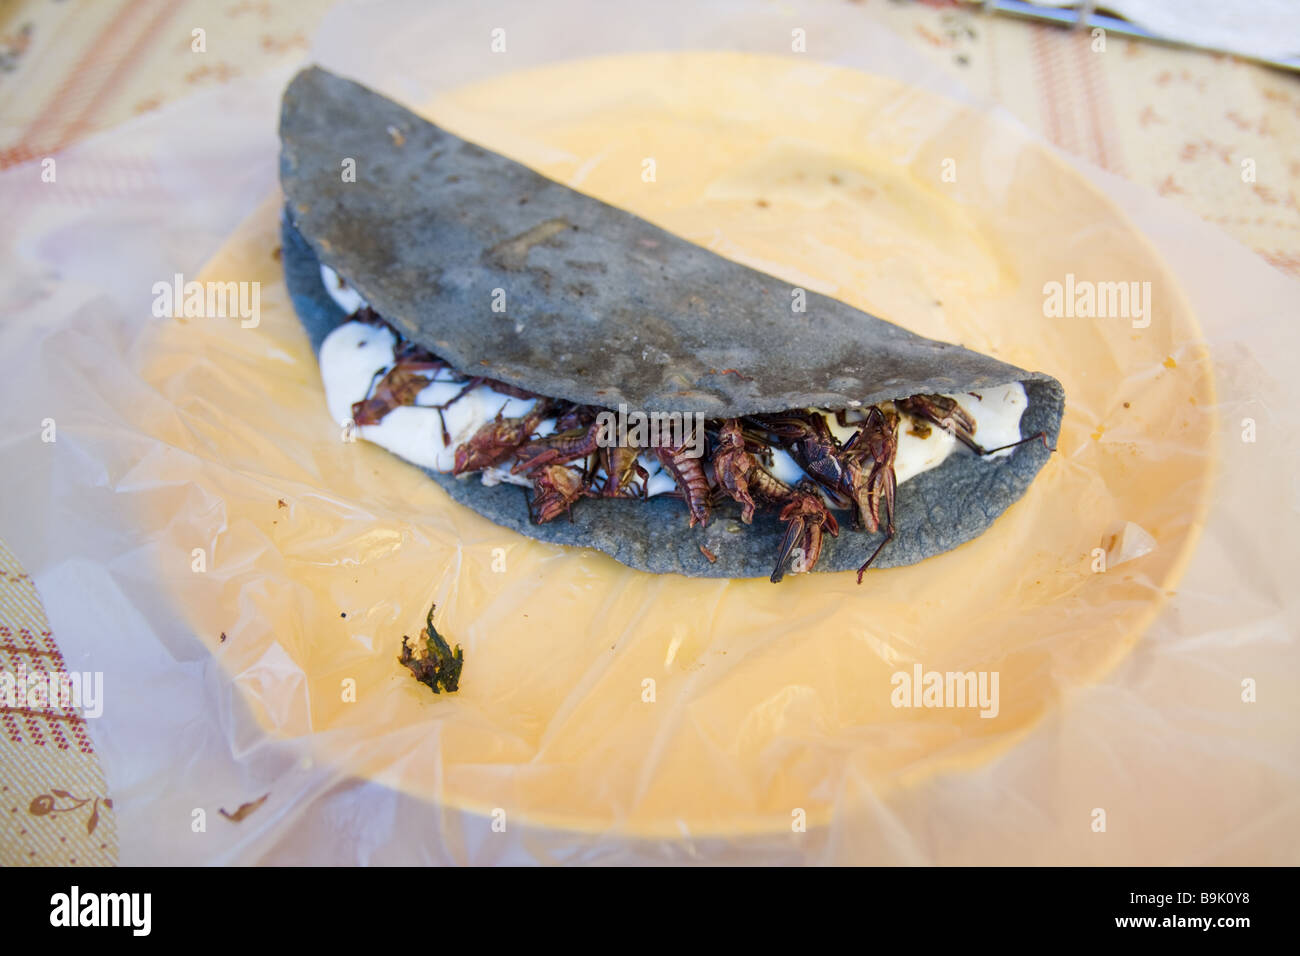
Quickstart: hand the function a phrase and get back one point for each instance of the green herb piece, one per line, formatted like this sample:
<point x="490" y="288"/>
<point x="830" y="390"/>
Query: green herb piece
<point x="439" y="667"/>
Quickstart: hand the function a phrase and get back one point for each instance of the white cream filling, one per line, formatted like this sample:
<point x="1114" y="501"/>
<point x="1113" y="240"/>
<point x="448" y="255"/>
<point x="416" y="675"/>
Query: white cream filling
<point x="355" y="354"/>
<point x="348" y="298"/>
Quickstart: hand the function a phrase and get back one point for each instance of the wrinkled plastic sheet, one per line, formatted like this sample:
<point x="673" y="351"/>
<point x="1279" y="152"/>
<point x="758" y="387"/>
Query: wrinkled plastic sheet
<point x="607" y="715"/>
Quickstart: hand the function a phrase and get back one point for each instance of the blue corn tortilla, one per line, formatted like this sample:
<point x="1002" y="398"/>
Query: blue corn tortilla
<point x="612" y="309"/>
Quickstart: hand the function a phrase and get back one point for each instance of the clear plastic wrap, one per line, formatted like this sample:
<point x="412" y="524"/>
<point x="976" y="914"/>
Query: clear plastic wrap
<point x="608" y="715"/>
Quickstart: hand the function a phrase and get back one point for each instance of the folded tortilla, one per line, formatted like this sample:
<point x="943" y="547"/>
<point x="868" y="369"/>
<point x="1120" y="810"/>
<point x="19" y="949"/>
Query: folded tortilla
<point x="604" y="308"/>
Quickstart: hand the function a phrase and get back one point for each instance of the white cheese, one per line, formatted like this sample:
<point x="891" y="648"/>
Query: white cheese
<point x="660" y="481"/>
<point x="348" y="298"/>
<point x="997" y="413"/>
<point x="785" y="467"/>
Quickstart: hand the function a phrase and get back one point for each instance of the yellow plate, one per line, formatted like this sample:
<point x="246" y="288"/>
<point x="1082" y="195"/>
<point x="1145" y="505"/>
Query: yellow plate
<point x="597" y="697"/>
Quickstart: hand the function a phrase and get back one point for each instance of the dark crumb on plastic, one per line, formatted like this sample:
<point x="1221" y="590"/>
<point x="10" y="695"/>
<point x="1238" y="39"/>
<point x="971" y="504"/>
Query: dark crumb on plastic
<point x="439" y="667"/>
<point x="244" y="809"/>
<point x="223" y="637"/>
<point x="280" y="503"/>
<point x="343" y="613"/>
<point x="761" y="203"/>
<point x="276" y="253"/>
<point x="1126" y="404"/>
<point x="713" y="558"/>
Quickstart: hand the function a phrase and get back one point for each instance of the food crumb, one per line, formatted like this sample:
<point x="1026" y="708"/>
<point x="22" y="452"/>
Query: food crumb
<point x="761" y="203"/>
<point x="223" y="637"/>
<point x="1126" y="405"/>
<point x="244" y="809"/>
<point x="343" y="614"/>
<point x="713" y="558"/>
<point x="276" y="253"/>
<point x="438" y="667"/>
<point x="397" y="136"/>
<point x="280" y="503"/>
<point x="1170" y="363"/>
